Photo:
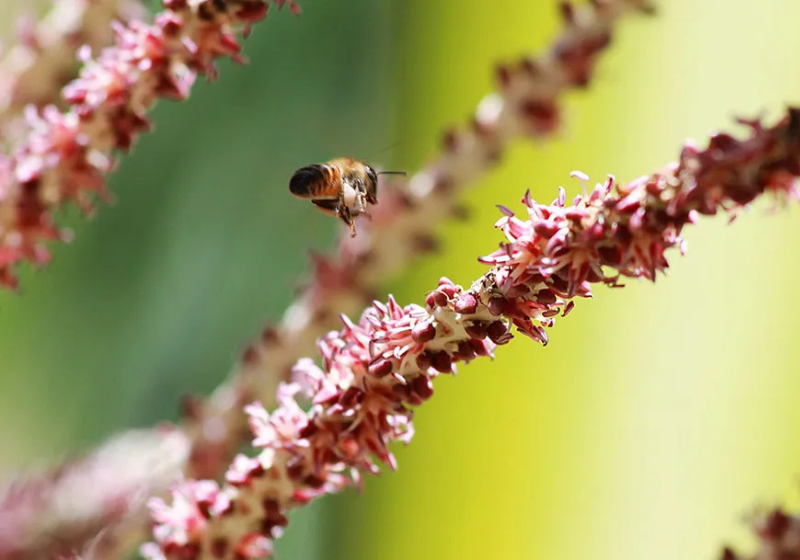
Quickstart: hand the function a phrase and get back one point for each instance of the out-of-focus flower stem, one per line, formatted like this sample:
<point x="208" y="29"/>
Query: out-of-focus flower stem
<point x="57" y="512"/>
<point x="65" y="156"/>
<point x="374" y="371"/>
<point x="44" y="59"/>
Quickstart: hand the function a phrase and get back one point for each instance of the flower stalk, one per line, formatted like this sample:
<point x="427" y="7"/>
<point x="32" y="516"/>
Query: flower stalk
<point x="374" y="371"/>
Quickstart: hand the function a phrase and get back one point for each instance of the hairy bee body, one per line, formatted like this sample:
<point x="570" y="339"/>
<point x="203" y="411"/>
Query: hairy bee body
<point x="342" y="187"/>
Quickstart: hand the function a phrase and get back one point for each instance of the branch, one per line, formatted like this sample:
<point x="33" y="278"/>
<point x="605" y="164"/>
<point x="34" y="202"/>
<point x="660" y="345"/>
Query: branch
<point x="375" y="370"/>
<point x="35" y="70"/>
<point x="67" y="155"/>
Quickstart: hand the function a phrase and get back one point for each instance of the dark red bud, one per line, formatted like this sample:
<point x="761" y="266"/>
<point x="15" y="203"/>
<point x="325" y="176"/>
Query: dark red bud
<point x="251" y="356"/>
<point x="775" y="526"/>
<point x="546" y="297"/>
<point x="465" y="351"/>
<point x="269" y="335"/>
<point x="477" y="329"/>
<point x="442" y="362"/>
<point x="479" y="347"/>
<point x="567" y="12"/>
<point x="422" y="386"/>
<point x="380" y="368"/>
<point x="449" y="290"/>
<point x="467" y="304"/>
<point x="440" y="298"/>
<point x="496" y="306"/>
<point x="219" y="547"/>
<point x="503" y="75"/>
<point x="314" y="481"/>
<point x="497" y="331"/>
<point x="430" y="300"/>
<point x="169" y="24"/>
<point x="450" y="140"/>
<point x="351" y="397"/>
<point x="423" y="361"/>
<point x="191" y="407"/>
<point x="517" y="291"/>
<point x="423" y="332"/>
<point x="545" y="229"/>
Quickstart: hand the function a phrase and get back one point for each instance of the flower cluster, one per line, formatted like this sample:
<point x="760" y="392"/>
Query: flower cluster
<point x="66" y="154"/>
<point x="35" y="69"/>
<point x="374" y="371"/>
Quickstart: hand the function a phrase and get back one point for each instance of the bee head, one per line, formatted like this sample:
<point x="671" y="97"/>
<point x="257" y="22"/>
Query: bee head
<point x="373" y="176"/>
<point x="304" y="179"/>
<point x="372" y="185"/>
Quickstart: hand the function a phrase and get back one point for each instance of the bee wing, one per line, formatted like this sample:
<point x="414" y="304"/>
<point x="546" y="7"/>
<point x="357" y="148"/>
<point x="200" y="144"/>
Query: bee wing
<point x="329" y="207"/>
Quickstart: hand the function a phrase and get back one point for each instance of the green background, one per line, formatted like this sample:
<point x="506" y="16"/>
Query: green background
<point x="655" y="420"/>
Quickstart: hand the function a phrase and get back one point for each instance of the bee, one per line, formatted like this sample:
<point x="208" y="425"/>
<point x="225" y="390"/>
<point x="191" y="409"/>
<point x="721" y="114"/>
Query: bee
<point x="342" y="187"/>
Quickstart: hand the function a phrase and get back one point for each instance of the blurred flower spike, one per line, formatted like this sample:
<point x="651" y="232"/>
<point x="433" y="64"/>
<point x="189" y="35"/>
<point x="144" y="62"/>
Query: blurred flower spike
<point x="375" y="370"/>
<point x="66" y="155"/>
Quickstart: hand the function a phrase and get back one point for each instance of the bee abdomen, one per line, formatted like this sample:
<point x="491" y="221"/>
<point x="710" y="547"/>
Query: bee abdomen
<point x="312" y="180"/>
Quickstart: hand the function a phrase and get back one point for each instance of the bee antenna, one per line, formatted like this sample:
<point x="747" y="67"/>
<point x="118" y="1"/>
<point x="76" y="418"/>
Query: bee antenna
<point x="392" y="173"/>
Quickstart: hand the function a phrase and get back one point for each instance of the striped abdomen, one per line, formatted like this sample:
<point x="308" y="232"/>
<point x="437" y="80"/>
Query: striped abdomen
<point x="321" y="180"/>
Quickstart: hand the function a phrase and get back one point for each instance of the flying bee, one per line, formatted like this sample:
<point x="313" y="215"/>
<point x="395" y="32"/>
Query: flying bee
<point x="341" y="187"/>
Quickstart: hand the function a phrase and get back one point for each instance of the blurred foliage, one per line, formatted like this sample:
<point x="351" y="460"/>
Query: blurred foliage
<point x="656" y="416"/>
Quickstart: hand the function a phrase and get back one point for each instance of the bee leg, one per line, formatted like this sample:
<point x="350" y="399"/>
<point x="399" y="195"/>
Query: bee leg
<point x="362" y="203"/>
<point x="347" y="218"/>
<point x="345" y="215"/>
